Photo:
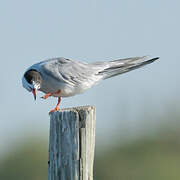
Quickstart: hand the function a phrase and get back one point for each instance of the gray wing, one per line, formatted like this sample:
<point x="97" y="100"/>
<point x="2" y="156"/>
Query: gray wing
<point x="77" y="73"/>
<point x="69" y="71"/>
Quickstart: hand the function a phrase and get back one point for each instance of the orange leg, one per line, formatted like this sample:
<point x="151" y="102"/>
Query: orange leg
<point x="50" y="94"/>
<point x="57" y="106"/>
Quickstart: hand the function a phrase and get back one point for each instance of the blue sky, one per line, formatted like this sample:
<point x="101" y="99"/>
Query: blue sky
<point x="31" y="31"/>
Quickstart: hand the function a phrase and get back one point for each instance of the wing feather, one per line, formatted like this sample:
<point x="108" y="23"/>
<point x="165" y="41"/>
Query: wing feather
<point x="72" y="72"/>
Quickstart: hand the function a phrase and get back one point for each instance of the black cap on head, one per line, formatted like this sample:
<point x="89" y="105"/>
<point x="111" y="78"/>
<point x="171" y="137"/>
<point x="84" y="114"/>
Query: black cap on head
<point x="33" y="75"/>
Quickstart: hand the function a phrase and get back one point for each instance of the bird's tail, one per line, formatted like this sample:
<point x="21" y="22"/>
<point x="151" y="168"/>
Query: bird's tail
<point x="116" y="67"/>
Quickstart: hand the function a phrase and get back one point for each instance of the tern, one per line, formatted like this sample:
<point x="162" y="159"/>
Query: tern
<point x="61" y="77"/>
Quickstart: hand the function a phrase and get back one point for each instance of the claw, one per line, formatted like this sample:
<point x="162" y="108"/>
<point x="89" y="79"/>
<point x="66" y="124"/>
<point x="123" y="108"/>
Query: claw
<point x="46" y="96"/>
<point x="53" y="110"/>
<point x="50" y="94"/>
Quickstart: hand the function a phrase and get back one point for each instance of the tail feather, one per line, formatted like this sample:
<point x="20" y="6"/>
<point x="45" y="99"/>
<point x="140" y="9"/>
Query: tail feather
<point x="124" y="65"/>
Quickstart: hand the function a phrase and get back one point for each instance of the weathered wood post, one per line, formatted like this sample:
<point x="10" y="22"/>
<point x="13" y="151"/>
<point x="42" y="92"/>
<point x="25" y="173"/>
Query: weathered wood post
<point x="72" y="143"/>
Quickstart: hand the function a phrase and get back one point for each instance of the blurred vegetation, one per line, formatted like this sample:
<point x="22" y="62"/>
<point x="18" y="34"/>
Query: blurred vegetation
<point x="28" y="161"/>
<point x="155" y="157"/>
<point x="143" y="160"/>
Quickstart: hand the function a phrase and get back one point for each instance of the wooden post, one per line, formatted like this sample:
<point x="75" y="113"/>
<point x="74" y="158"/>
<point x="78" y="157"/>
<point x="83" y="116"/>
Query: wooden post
<point x="72" y="143"/>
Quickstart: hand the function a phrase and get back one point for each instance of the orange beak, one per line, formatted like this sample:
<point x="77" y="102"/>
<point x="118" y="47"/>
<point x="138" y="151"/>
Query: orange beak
<point x="34" y="93"/>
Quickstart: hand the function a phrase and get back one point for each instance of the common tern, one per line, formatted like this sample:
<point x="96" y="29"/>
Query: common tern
<point x="61" y="77"/>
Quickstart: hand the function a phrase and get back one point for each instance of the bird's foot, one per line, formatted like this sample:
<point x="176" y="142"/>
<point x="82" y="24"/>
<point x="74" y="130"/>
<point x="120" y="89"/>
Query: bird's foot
<point x="54" y="110"/>
<point x="51" y="94"/>
<point x="57" y="106"/>
<point x="46" y="96"/>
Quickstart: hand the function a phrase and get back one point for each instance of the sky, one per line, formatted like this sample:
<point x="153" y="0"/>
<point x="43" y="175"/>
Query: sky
<point x="31" y="31"/>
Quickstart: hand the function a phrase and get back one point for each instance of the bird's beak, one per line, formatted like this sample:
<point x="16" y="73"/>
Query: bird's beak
<point x="34" y="93"/>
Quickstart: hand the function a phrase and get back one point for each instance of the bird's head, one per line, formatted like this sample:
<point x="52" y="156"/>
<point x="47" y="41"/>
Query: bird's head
<point x="32" y="81"/>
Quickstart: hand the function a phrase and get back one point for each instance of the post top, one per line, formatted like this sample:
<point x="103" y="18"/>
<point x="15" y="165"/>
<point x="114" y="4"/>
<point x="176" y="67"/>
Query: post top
<point x="88" y="107"/>
<point x="76" y="109"/>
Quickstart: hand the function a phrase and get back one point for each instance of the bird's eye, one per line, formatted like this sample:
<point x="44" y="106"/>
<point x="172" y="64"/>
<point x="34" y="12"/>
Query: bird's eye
<point x="28" y="77"/>
<point x="32" y="75"/>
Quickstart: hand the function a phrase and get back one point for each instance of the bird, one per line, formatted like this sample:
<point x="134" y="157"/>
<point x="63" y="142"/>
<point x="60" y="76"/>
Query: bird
<point x="62" y="77"/>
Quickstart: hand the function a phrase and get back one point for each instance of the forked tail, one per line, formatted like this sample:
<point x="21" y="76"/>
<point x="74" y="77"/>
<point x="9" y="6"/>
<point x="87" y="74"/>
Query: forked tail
<point x="114" y="68"/>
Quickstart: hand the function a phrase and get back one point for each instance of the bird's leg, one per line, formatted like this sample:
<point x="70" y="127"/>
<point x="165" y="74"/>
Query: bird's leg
<point x="57" y="106"/>
<point x="50" y="94"/>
